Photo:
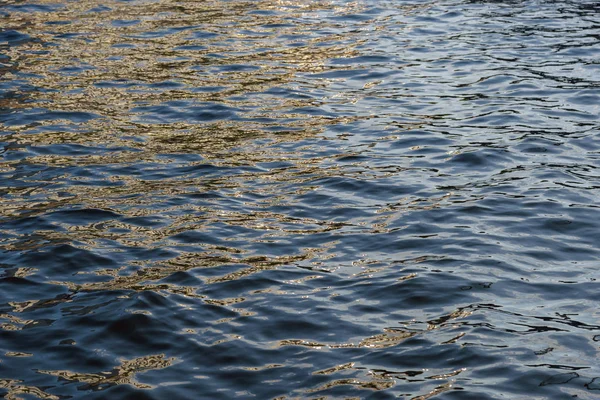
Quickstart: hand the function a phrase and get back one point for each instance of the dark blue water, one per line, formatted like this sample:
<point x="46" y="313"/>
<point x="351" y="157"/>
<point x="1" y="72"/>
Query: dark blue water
<point x="300" y="199"/>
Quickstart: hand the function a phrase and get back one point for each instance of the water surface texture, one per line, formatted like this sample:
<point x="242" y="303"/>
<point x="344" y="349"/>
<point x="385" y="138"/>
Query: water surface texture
<point x="299" y="199"/>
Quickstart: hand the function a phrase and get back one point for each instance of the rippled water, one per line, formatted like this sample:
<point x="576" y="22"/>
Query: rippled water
<point x="299" y="199"/>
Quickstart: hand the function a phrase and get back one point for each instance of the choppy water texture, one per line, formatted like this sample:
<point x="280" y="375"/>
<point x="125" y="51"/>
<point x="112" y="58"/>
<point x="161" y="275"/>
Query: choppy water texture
<point x="299" y="199"/>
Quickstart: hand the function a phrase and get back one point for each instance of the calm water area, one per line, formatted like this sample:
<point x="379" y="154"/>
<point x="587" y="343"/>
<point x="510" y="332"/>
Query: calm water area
<point x="277" y="199"/>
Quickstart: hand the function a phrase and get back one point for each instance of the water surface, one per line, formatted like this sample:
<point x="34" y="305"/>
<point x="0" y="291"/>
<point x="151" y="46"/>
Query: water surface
<point x="299" y="199"/>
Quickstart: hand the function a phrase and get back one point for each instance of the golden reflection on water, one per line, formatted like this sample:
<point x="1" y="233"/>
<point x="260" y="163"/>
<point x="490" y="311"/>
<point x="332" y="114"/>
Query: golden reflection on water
<point x="128" y="58"/>
<point x="335" y="369"/>
<point x="82" y="73"/>
<point x="363" y="384"/>
<point x="156" y="49"/>
<point x="391" y="337"/>
<point x="440" y="389"/>
<point x="123" y="374"/>
<point x="14" y="323"/>
<point x="14" y="389"/>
